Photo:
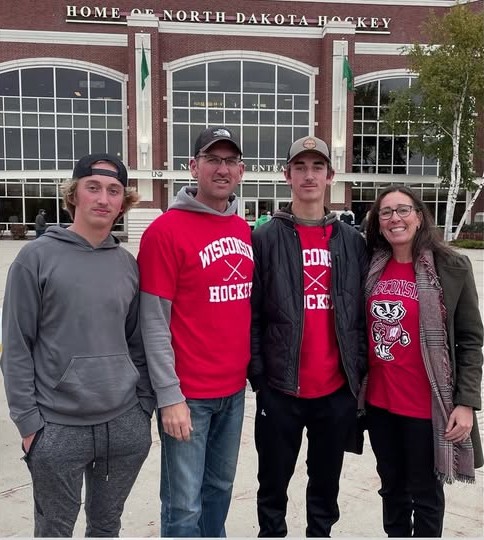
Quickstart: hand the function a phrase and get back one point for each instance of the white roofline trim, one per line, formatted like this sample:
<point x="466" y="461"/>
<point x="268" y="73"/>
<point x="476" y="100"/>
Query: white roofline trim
<point x="304" y="32"/>
<point x="64" y="38"/>
<point x="383" y="74"/>
<point x="416" y="3"/>
<point x="279" y="31"/>
<point x="375" y="49"/>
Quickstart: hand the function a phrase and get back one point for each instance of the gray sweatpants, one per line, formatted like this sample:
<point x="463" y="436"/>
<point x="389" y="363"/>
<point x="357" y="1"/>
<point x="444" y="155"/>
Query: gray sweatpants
<point x="109" y="455"/>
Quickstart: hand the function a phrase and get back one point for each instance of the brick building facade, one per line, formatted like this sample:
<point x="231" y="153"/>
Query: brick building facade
<point x="71" y="82"/>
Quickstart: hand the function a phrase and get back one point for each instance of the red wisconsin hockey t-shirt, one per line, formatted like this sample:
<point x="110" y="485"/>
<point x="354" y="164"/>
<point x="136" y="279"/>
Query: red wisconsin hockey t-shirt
<point x="320" y="369"/>
<point x="203" y="264"/>
<point x="397" y="380"/>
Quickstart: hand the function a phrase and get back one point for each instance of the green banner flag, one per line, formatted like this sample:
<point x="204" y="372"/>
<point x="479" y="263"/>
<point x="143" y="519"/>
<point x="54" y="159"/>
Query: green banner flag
<point x="347" y="74"/>
<point x="144" y="68"/>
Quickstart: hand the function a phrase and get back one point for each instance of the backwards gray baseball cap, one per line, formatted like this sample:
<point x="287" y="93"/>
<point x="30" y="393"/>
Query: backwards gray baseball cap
<point x="308" y="144"/>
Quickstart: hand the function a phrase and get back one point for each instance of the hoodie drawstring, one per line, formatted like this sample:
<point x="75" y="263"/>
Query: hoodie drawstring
<point x="107" y="451"/>
<point x="93" y="430"/>
<point x="94" y="443"/>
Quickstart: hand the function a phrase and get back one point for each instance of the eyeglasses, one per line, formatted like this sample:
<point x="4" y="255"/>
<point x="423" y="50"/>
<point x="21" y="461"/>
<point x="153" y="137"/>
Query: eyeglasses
<point x="216" y="161"/>
<point x="403" y="211"/>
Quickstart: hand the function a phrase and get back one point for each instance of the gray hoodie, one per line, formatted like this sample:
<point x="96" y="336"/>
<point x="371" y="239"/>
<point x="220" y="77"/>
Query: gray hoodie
<point x="72" y="348"/>
<point x="155" y="313"/>
<point x="185" y="200"/>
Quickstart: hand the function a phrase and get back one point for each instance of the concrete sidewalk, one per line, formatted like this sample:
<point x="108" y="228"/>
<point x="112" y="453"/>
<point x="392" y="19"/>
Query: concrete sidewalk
<point x="360" y="504"/>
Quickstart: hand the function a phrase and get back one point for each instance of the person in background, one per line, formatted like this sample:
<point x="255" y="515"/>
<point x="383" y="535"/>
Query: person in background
<point x="309" y="346"/>
<point x="264" y="218"/>
<point x="73" y="361"/>
<point x="40" y="223"/>
<point x="196" y="268"/>
<point x="347" y="216"/>
<point x="364" y="224"/>
<point x="425" y="364"/>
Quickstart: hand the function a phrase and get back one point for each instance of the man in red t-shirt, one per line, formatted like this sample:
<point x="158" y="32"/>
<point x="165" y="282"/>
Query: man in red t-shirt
<point x="196" y="268"/>
<point x="309" y="345"/>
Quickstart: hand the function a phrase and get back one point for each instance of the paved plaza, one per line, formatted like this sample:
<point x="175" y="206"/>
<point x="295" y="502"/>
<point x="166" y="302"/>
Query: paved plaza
<point x="359" y="501"/>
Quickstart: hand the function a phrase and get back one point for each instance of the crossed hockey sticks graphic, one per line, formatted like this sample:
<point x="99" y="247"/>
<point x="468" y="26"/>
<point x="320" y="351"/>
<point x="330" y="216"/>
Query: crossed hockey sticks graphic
<point x="315" y="280"/>
<point x="234" y="270"/>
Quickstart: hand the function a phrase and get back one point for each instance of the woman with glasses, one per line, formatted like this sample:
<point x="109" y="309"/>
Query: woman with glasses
<point x="425" y="364"/>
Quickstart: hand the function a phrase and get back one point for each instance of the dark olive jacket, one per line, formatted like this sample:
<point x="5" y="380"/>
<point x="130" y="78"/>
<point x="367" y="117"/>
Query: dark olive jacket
<point x="278" y="302"/>
<point x="465" y="335"/>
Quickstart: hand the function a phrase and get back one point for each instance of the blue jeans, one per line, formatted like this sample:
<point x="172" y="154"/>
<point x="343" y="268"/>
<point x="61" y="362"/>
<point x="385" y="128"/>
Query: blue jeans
<point x="197" y="475"/>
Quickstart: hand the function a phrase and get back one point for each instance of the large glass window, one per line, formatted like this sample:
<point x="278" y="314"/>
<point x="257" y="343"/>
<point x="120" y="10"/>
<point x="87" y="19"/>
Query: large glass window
<point x="375" y="150"/>
<point x="265" y="104"/>
<point x="49" y="118"/>
<point x="86" y="109"/>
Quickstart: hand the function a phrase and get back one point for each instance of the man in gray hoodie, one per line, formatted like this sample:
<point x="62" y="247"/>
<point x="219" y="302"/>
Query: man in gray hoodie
<point x="196" y="277"/>
<point x="73" y="361"/>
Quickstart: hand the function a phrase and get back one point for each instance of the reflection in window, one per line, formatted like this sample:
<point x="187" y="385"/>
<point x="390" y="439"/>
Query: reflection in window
<point x="32" y="190"/>
<point x="250" y="210"/>
<point x="11" y="209"/>
<point x="9" y="83"/>
<point x="266" y="104"/>
<point x="69" y="82"/>
<point x="224" y="76"/>
<point x="258" y="77"/>
<point x="38" y="82"/>
<point x="190" y="78"/>
<point x="290" y="81"/>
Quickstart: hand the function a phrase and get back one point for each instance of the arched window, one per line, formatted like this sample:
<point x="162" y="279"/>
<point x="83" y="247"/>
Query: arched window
<point x="267" y="105"/>
<point x="52" y="116"/>
<point x="375" y="149"/>
<point x="49" y="118"/>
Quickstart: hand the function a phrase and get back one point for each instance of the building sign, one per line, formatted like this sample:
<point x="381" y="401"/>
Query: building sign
<point x="97" y="14"/>
<point x="251" y="168"/>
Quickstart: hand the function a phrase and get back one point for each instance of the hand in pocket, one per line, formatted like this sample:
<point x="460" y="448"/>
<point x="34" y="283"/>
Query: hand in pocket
<point x="27" y="442"/>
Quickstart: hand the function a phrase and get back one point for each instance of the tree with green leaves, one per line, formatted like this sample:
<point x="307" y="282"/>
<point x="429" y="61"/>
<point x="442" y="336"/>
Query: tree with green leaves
<point x="440" y="110"/>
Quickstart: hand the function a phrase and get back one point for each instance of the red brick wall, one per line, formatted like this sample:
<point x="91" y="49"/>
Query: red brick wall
<point x="50" y="15"/>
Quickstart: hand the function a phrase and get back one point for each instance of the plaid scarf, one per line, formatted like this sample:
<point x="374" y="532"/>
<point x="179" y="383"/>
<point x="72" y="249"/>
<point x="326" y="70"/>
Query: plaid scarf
<point x="451" y="461"/>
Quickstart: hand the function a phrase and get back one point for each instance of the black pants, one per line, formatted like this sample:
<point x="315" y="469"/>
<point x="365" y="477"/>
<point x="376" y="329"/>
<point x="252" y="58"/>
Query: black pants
<point x="279" y="424"/>
<point x="404" y="452"/>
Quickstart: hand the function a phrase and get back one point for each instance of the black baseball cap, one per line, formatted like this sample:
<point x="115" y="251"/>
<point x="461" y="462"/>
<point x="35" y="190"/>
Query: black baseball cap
<point x="215" y="134"/>
<point x="84" y="167"/>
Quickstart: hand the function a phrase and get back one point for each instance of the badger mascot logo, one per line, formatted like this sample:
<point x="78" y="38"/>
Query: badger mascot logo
<point x="388" y="330"/>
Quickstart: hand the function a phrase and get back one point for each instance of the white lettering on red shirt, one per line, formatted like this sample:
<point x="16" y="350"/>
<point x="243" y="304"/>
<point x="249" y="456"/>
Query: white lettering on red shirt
<point x="320" y="372"/>
<point x="397" y="379"/>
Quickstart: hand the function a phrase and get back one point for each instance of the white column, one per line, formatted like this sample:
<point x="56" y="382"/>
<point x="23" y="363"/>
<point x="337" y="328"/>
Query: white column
<point x="144" y="130"/>
<point x="140" y="218"/>
<point x="338" y="192"/>
<point x="339" y="107"/>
